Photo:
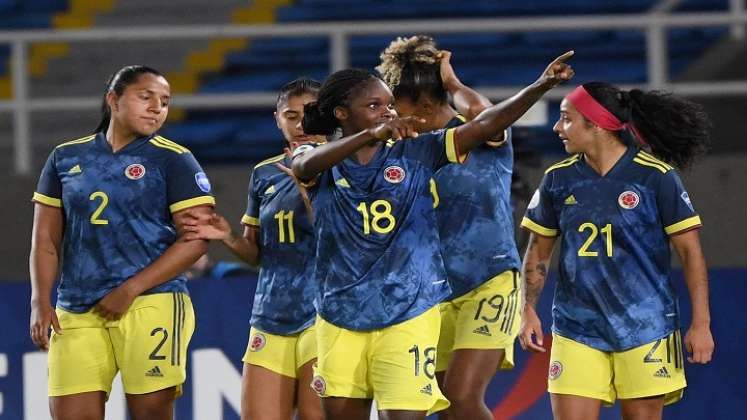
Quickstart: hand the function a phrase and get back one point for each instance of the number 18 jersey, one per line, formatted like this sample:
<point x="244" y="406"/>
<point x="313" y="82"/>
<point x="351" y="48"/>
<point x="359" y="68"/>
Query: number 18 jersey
<point x="378" y="259"/>
<point x="614" y="291"/>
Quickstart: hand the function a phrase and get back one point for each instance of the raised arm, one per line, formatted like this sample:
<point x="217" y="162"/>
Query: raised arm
<point x="698" y="339"/>
<point x="467" y="101"/>
<point x="491" y="122"/>
<point x="44" y="262"/>
<point x="533" y="275"/>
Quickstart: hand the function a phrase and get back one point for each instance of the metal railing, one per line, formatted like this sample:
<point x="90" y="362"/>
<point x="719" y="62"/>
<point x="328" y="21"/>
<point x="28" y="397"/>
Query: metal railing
<point x="653" y="24"/>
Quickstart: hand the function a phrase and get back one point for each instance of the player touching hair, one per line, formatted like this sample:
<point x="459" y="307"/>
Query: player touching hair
<point x="109" y="216"/>
<point x="616" y="205"/>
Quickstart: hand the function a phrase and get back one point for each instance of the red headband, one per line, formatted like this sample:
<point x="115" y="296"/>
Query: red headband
<point x="598" y="114"/>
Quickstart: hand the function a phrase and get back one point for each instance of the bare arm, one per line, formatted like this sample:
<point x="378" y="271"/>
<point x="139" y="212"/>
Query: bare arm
<point x="698" y="339"/>
<point x="467" y="101"/>
<point x="44" y="261"/>
<point x="491" y="122"/>
<point x="245" y="247"/>
<point x="175" y="260"/>
<point x="533" y="275"/>
<point x="310" y="164"/>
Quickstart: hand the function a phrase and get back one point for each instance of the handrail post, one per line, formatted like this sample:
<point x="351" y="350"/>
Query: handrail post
<point x="656" y="54"/>
<point x="21" y="117"/>
<point x="737" y="8"/>
<point x="338" y="49"/>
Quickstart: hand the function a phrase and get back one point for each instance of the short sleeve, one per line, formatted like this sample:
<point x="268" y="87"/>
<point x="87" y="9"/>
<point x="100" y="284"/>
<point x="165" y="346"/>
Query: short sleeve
<point x="49" y="189"/>
<point x="675" y="208"/>
<point x="251" y="216"/>
<point x="186" y="183"/>
<point x="434" y="149"/>
<point x="505" y="139"/>
<point x="540" y="216"/>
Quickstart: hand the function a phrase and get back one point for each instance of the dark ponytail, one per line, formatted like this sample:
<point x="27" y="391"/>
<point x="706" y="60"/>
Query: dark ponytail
<point x="117" y="83"/>
<point x="319" y="117"/>
<point x="676" y="129"/>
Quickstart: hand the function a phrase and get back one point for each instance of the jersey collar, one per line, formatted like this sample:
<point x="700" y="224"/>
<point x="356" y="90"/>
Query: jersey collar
<point x="101" y="140"/>
<point x="619" y="166"/>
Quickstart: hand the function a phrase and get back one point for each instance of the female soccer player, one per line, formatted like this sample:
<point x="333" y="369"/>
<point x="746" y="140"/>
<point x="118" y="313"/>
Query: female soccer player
<point x="378" y="261"/>
<point x="616" y="208"/>
<point x="108" y="215"/>
<point x="278" y="237"/>
<point x="480" y="319"/>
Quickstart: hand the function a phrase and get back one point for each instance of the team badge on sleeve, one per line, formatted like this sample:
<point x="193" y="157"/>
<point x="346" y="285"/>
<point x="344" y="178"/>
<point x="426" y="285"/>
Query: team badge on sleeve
<point x="556" y="368"/>
<point x="394" y="174"/>
<point x="257" y="342"/>
<point x="628" y="200"/>
<point x="534" y="202"/>
<point x="202" y="181"/>
<point x="686" y="198"/>
<point x="134" y="171"/>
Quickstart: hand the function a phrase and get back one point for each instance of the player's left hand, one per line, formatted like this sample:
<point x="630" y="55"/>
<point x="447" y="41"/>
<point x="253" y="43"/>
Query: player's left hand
<point x="112" y="306"/>
<point x="558" y="71"/>
<point x="699" y="343"/>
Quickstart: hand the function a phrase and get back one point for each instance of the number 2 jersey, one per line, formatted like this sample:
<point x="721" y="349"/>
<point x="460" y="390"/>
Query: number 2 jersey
<point x="614" y="291"/>
<point x="475" y="217"/>
<point x="117" y="209"/>
<point x="284" y="299"/>
<point x="378" y="260"/>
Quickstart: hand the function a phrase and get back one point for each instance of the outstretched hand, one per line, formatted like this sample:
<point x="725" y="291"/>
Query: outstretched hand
<point x="396" y="128"/>
<point x="301" y="189"/>
<point x="198" y="226"/>
<point x="558" y="71"/>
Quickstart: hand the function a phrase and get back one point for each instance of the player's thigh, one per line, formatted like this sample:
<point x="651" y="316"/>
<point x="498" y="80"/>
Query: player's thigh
<point x="653" y="369"/>
<point x="151" y="341"/>
<point x="577" y="369"/>
<point x="470" y="372"/>
<point x="266" y="395"/>
<point x="158" y="405"/>
<point x="403" y="365"/>
<point x="346" y="408"/>
<point x="574" y="407"/>
<point x="489" y="317"/>
<point x="448" y="312"/>
<point x="309" y="403"/>
<point x="82" y="406"/>
<point x="648" y="408"/>
<point x="81" y="359"/>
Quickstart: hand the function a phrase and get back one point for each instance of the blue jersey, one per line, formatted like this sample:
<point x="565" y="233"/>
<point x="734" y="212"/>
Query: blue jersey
<point x="284" y="299"/>
<point x="614" y="291"/>
<point x="475" y="217"/>
<point x="117" y="209"/>
<point x="378" y="260"/>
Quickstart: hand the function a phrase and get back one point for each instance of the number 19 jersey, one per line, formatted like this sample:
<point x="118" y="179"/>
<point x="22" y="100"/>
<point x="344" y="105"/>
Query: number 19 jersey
<point x="614" y="291"/>
<point x="378" y="259"/>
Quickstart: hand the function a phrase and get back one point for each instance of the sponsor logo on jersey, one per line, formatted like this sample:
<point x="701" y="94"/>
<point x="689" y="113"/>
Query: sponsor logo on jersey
<point x="571" y="200"/>
<point x="319" y="385"/>
<point x="135" y="171"/>
<point x="154" y="372"/>
<point x="628" y="200"/>
<point x="202" y="181"/>
<point x="74" y="170"/>
<point x="394" y="174"/>
<point x="257" y="342"/>
<point x="556" y="369"/>
<point x="484" y="330"/>
<point x="662" y="373"/>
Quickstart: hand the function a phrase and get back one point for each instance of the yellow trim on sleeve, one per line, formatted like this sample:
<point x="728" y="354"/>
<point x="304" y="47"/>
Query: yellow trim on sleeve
<point x="43" y="199"/>
<point x="164" y="140"/>
<point x="640" y="161"/>
<point x="251" y="221"/>
<point x="563" y="163"/>
<point x="192" y="202"/>
<point x="156" y="143"/>
<point x="688" y="223"/>
<point x="452" y="150"/>
<point x="498" y="143"/>
<point x="536" y="228"/>
<point x="461" y="118"/>
<point x="651" y="158"/>
<point x="273" y="159"/>
<point x="78" y="141"/>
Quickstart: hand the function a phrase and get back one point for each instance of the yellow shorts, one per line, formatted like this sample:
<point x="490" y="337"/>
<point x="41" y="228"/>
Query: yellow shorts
<point x="281" y="354"/>
<point x="395" y="366"/>
<point x="148" y="345"/>
<point x="487" y="317"/>
<point x="652" y="369"/>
